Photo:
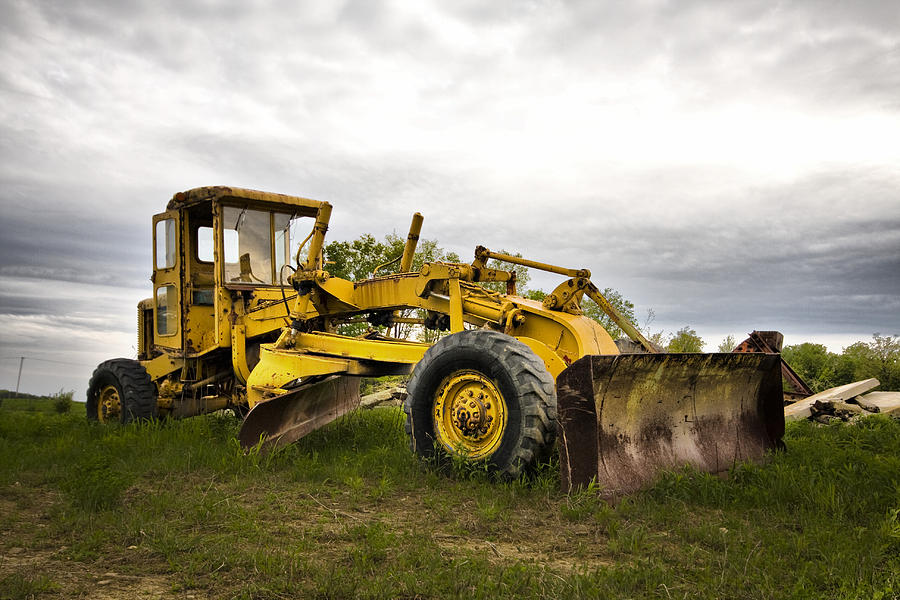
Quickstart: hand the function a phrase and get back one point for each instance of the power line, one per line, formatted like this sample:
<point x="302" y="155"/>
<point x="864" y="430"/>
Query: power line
<point x="22" y="359"/>
<point x="49" y="360"/>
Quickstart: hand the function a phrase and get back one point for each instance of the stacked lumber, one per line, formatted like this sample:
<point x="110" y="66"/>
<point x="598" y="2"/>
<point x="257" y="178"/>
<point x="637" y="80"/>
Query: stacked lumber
<point x="844" y="403"/>
<point x="391" y="397"/>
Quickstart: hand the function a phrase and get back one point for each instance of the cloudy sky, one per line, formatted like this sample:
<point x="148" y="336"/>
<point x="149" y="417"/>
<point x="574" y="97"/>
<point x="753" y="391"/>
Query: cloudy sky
<point x="732" y="166"/>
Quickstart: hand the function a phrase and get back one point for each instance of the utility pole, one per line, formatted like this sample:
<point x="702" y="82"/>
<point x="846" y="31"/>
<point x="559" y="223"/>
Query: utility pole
<point x="19" y="379"/>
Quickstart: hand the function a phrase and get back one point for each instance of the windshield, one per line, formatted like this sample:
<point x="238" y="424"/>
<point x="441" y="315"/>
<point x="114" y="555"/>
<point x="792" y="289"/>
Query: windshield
<point x="257" y="244"/>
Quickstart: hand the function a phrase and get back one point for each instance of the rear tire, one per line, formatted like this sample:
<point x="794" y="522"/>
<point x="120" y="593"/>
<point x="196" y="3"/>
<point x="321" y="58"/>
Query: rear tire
<point x="121" y="390"/>
<point x="472" y="375"/>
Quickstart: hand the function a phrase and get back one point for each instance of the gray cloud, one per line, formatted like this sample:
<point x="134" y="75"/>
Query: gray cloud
<point x="727" y="164"/>
<point x="829" y="53"/>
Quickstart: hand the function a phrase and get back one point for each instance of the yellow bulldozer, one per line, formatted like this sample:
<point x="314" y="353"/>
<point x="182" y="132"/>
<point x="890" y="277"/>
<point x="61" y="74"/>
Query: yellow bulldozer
<point x="244" y="315"/>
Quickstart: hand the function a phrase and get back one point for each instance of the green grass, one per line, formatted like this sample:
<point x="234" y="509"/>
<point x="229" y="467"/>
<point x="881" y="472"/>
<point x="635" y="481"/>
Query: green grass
<point x="349" y="512"/>
<point x="42" y="404"/>
<point x="16" y="586"/>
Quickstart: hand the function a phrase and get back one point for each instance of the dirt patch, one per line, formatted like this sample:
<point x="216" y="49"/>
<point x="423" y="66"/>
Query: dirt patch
<point x="69" y="579"/>
<point x="537" y="537"/>
<point x="28" y="552"/>
<point x="501" y="552"/>
<point x="325" y="522"/>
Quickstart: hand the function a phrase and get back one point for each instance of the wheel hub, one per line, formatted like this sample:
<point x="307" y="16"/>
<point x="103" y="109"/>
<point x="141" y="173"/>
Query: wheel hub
<point x="469" y="414"/>
<point x="108" y="404"/>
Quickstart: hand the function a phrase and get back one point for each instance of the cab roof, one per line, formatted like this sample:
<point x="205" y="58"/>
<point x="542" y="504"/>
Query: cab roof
<point x="218" y="193"/>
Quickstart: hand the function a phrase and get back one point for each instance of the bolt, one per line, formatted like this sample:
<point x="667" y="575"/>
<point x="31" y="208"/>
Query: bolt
<point x="470" y="393"/>
<point x="489" y="419"/>
<point x="472" y="404"/>
<point x="487" y="405"/>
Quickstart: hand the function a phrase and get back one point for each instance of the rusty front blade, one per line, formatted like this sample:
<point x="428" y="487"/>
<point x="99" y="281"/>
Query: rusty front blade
<point x="287" y="418"/>
<point x="626" y="418"/>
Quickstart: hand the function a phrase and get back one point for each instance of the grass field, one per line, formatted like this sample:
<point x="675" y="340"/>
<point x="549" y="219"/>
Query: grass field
<point x="175" y="509"/>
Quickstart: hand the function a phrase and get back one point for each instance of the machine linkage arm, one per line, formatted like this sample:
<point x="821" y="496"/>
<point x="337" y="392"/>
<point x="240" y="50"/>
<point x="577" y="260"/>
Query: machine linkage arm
<point x="624" y="324"/>
<point x="566" y="296"/>
<point x="482" y="254"/>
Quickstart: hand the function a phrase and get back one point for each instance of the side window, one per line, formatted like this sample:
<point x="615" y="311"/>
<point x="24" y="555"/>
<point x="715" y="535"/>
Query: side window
<point x="205" y="251"/>
<point x="166" y="310"/>
<point x="165" y="244"/>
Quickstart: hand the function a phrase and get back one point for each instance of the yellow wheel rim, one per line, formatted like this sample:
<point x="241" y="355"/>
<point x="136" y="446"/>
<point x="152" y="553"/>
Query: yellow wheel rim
<point x="108" y="404"/>
<point x="469" y="415"/>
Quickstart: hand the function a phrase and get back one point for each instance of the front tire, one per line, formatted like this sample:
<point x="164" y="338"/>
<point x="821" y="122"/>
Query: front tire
<point x="121" y="390"/>
<point x="482" y="395"/>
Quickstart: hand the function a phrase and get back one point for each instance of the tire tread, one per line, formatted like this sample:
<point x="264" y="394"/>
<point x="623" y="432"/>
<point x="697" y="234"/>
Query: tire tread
<point x="138" y="392"/>
<point x="534" y="384"/>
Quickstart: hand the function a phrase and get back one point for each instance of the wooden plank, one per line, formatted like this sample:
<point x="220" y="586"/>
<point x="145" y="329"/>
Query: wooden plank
<point x="803" y="408"/>
<point x="886" y="402"/>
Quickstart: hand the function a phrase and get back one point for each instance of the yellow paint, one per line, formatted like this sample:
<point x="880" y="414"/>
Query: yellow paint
<point x="456" y="308"/>
<point x="555" y="365"/>
<point x="239" y="353"/>
<point x="217" y="324"/>
<point x="109" y="406"/>
<point x="162" y="365"/>
<point x="469" y="415"/>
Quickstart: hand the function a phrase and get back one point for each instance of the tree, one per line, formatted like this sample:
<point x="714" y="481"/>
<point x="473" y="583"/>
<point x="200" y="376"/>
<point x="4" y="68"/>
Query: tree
<point x="426" y="251"/>
<point x="622" y="305"/>
<point x="879" y="358"/>
<point x="685" y="340"/>
<point x="658" y="339"/>
<point x="728" y="344"/>
<point x="885" y="352"/>
<point x="850" y="365"/>
<point x="822" y="369"/>
<point x="591" y="310"/>
<point x="357" y="259"/>
<point x="814" y="364"/>
<point x="522" y="276"/>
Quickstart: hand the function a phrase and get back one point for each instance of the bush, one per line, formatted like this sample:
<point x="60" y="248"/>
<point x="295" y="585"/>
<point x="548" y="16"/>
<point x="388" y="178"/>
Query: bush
<point x="62" y="401"/>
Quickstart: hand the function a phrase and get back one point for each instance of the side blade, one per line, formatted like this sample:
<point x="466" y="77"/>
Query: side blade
<point x="626" y="418"/>
<point x="287" y="418"/>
